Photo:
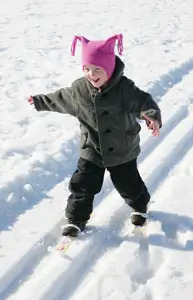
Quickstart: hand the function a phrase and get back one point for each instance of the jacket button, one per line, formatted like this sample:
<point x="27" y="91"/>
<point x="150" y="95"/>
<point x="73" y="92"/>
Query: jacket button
<point x="105" y="112"/>
<point x="107" y="130"/>
<point x="111" y="149"/>
<point x="102" y="97"/>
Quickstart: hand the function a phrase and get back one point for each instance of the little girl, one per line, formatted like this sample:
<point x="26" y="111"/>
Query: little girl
<point x="106" y="104"/>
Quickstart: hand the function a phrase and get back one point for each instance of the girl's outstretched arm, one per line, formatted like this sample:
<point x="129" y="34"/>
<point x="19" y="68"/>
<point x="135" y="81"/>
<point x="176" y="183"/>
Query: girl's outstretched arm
<point x="61" y="101"/>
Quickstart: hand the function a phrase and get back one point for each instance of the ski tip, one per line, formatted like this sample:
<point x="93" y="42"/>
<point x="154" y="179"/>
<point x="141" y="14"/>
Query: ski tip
<point x="138" y="230"/>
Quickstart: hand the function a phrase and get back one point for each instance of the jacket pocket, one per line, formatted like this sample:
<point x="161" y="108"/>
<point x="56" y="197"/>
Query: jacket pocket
<point x="133" y="130"/>
<point x="132" y="137"/>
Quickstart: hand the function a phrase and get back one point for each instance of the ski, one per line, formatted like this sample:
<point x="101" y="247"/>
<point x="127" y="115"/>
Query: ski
<point x="62" y="245"/>
<point x="139" y="230"/>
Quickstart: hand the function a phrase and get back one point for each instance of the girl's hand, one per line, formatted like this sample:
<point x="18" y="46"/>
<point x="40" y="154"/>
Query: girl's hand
<point x="152" y="124"/>
<point x="31" y="100"/>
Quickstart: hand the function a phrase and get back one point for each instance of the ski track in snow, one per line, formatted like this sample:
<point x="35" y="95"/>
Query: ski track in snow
<point x="52" y="166"/>
<point x="92" y="247"/>
<point x="168" y="80"/>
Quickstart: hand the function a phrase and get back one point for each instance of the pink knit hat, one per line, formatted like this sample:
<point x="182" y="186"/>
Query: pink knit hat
<point x="99" y="53"/>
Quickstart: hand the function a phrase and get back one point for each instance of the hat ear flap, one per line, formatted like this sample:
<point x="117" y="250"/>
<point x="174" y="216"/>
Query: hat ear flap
<point x="109" y="44"/>
<point x="83" y="41"/>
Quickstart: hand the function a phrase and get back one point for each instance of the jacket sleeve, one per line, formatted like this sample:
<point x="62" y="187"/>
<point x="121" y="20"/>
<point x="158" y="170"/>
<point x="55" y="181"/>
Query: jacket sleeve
<point x="62" y="101"/>
<point x="139" y="102"/>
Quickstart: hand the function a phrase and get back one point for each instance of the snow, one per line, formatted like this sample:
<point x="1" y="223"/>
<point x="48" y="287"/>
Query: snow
<point x="39" y="152"/>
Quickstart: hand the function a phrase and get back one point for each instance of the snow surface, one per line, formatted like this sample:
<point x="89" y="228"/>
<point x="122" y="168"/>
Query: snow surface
<point x="39" y="152"/>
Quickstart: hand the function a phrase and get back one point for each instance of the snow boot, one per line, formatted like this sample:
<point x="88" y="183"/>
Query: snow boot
<point x="138" y="218"/>
<point x="73" y="228"/>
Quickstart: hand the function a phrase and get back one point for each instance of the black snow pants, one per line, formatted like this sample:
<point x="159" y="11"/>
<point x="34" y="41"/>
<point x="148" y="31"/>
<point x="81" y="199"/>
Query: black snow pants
<point x="87" y="181"/>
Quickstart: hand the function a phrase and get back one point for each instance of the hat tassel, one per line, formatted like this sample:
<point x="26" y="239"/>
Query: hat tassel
<point x="120" y="43"/>
<point x="73" y="46"/>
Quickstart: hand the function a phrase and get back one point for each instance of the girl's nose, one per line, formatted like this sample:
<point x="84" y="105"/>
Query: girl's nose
<point x="92" y="72"/>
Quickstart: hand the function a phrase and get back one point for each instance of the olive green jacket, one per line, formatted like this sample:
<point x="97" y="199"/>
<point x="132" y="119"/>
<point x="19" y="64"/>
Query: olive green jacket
<point x="109" y="130"/>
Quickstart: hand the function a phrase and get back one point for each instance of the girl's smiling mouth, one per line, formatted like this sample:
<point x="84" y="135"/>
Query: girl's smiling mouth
<point x="95" y="80"/>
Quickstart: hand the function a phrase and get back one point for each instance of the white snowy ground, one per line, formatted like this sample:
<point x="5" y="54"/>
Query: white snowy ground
<point x="39" y="152"/>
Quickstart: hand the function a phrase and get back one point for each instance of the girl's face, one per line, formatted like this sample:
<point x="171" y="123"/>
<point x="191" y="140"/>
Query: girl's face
<point x="95" y="74"/>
